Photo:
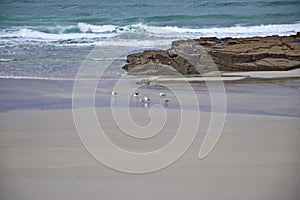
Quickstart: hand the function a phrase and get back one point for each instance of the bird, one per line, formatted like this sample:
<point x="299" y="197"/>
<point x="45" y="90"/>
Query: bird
<point x="136" y="94"/>
<point x="162" y="94"/>
<point x="144" y="104"/>
<point x="166" y="102"/>
<point x="113" y="93"/>
<point x="146" y="99"/>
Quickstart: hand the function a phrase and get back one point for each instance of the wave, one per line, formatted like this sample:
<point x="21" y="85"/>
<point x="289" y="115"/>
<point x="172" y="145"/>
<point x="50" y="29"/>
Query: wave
<point x="88" y="34"/>
<point x="6" y="59"/>
<point x="233" y="31"/>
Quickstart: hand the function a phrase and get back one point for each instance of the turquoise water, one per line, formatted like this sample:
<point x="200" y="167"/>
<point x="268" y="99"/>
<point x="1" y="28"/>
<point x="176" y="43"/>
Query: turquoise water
<point x="50" y="38"/>
<point x="187" y="13"/>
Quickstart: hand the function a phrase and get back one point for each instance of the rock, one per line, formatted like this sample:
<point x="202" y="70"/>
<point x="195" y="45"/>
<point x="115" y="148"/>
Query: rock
<point x="158" y="62"/>
<point x="172" y="53"/>
<point x="228" y="54"/>
<point x="144" y="82"/>
<point x="257" y="53"/>
<point x="208" y="41"/>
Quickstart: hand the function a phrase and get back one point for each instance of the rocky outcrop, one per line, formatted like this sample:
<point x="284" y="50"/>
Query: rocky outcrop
<point x="255" y="53"/>
<point x="227" y="54"/>
<point x="158" y="62"/>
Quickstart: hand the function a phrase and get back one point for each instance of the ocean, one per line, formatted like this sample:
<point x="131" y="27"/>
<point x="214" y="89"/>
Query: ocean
<point x="49" y="39"/>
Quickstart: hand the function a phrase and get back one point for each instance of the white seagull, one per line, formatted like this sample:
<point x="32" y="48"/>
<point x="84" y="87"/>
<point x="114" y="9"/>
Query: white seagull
<point x="146" y="99"/>
<point x="136" y="94"/>
<point x="162" y="94"/>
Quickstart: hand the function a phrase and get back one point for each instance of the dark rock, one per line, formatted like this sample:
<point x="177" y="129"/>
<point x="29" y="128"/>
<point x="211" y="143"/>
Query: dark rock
<point x="257" y="53"/>
<point x="158" y="62"/>
<point x="228" y="54"/>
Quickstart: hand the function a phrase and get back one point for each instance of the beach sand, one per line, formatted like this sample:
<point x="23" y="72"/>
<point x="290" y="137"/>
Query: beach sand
<point x="256" y="157"/>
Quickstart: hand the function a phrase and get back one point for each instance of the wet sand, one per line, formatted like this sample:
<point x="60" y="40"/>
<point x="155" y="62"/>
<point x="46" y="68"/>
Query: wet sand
<point x="256" y="157"/>
<point x="268" y="97"/>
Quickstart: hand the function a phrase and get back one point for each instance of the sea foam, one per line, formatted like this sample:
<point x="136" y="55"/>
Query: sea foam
<point x="88" y="34"/>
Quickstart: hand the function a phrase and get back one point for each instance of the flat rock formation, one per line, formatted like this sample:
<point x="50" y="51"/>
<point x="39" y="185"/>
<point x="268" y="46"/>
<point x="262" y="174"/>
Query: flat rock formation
<point x="157" y="62"/>
<point x="188" y="57"/>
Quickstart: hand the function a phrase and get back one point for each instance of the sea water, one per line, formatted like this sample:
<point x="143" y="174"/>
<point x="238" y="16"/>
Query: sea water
<point x="49" y="39"/>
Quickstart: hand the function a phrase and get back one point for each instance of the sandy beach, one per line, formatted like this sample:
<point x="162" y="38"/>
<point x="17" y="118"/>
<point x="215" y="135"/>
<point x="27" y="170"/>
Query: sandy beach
<point x="256" y="157"/>
<point x="146" y="100"/>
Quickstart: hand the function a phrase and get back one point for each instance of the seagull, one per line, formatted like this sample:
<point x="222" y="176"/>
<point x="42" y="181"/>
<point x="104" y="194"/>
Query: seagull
<point x="166" y="102"/>
<point x="136" y="94"/>
<point x="146" y="99"/>
<point x="144" y="104"/>
<point x="162" y="94"/>
<point x="113" y="93"/>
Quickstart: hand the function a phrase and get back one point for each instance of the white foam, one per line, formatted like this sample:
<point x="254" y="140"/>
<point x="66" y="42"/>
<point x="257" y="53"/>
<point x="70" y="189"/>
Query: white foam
<point x="30" y="34"/>
<point x="234" y="31"/>
<point x="96" y="29"/>
<point x="140" y="34"/>
<point x="6" y="59"/>
<point x="136" y="43"/>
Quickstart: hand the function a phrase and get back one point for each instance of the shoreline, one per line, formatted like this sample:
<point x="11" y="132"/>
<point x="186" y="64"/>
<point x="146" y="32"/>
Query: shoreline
<point x="213" y="76"/>
<point x="243" y="96"/>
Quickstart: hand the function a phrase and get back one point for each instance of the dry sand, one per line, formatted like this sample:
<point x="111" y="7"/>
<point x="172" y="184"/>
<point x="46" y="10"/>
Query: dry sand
<point x="43" y="158"/>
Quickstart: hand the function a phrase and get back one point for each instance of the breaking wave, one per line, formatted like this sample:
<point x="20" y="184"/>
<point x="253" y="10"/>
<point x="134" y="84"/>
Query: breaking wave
<point x="88" y="34"/>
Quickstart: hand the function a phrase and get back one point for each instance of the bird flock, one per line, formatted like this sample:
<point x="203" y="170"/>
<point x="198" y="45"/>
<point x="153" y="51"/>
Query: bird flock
<point x="144" y="101"/>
